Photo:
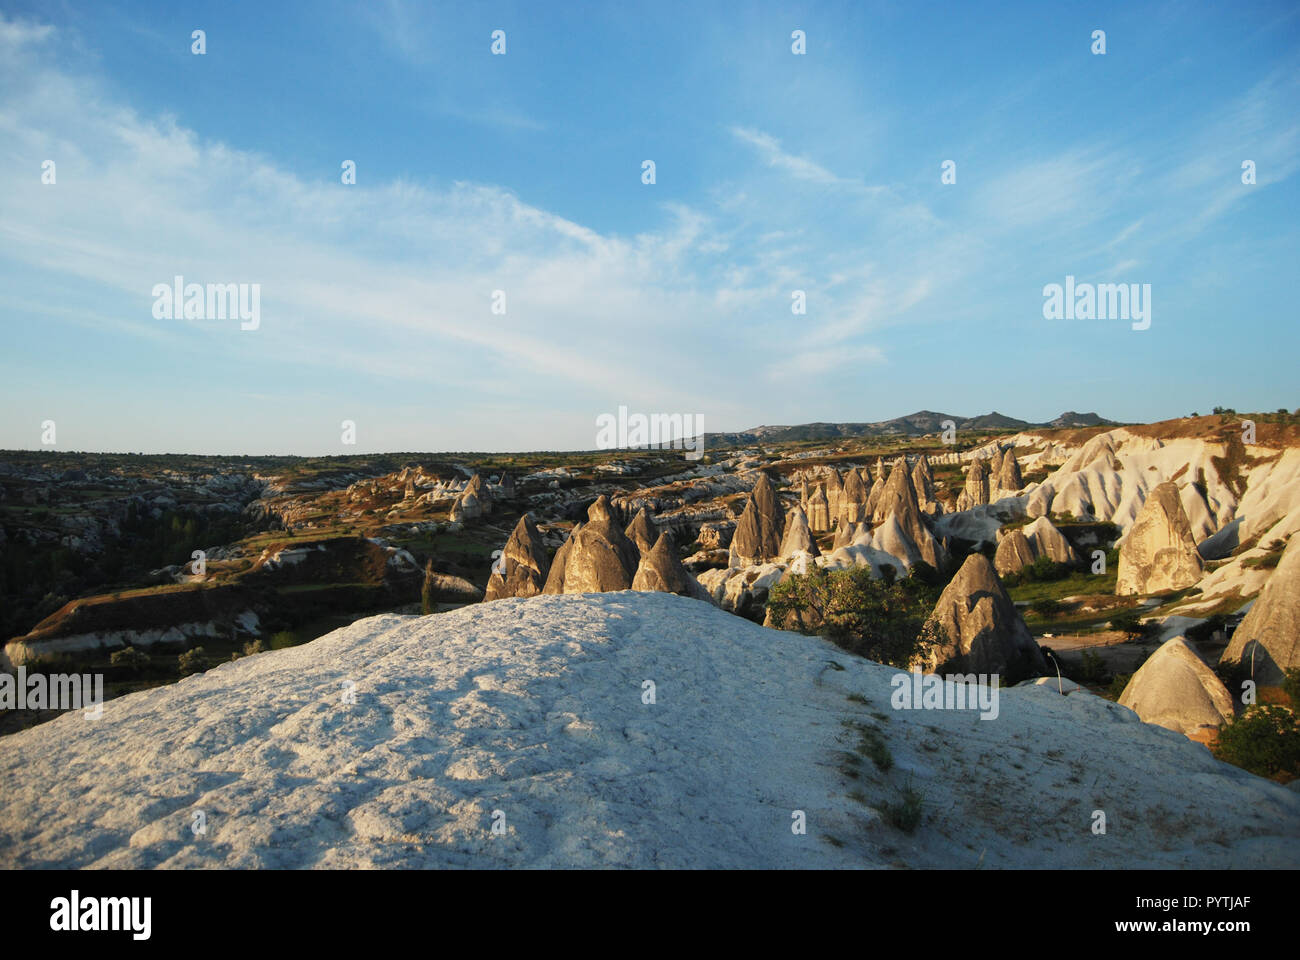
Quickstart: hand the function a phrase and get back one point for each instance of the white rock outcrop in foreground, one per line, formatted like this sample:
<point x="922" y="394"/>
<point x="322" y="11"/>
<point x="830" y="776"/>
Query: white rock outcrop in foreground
<point x="535" y="708"/>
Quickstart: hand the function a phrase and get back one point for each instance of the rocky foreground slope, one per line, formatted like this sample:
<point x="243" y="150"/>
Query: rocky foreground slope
<point x="532" y="715"/>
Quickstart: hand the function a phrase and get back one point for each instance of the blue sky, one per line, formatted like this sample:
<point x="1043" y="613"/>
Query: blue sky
<point x="522" y="173"/>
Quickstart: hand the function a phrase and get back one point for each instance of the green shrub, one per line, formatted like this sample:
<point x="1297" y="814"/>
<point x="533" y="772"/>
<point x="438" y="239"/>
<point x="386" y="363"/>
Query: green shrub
<point x="1109" y="532"/>
<point x="192" y="661"/>
<point x="1092" y="669"/>
<point x="1043" y="570"/>
<point x="1047" y="606"/>
<point x="922" y="572"/>
<point x="1205" y="631"/>
<point x="1264" y="740"/>
<point x="1130" y="624"/>
<point x="427" y="604"/>
<point x="906" y="813"/>
<point x="129" y="658"/>
<point x="1117" y="684"/>
<point x="1291" y="686"/>
<point x="873" y="746"/>
<point x="283" y="639"/>
<point x="1126" y="622"/>
<point x="1233" y="673"/>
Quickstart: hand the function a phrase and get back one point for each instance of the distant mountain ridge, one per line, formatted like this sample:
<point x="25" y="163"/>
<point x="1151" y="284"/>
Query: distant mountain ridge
<point x="913" y="425"/>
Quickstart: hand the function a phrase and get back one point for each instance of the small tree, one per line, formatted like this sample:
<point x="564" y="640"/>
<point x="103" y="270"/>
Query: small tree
<point x="1130" y="624"/>
<point x="877" y="619"/>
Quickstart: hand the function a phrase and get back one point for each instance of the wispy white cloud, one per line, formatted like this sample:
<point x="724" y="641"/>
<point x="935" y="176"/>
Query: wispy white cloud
<point x="1127" y="232"/>
<point x="800" y="168"/>
<point x="801" y="365"/>
<point x="18" y="34"/>
<point x="1074" y="188"/>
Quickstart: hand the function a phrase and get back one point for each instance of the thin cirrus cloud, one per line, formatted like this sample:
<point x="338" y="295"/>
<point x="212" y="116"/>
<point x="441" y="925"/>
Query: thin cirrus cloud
<point x="798" y="167"/>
